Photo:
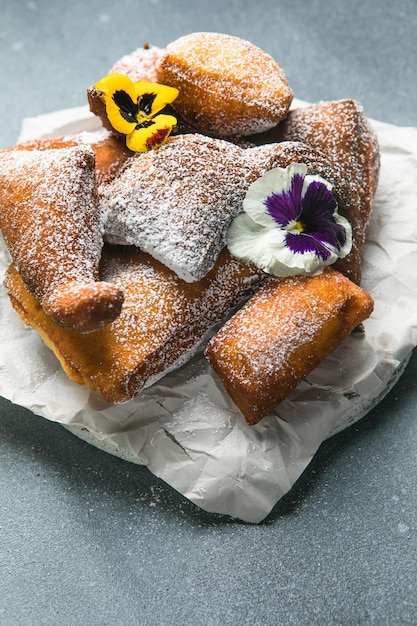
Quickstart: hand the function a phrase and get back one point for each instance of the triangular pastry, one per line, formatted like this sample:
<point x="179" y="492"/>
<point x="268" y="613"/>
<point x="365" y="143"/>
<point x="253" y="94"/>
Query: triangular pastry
<point x="162" y="322"/>
<point x="50" y="220"/>
<point x="177" y="202"/>
<point x="109" y="149"/>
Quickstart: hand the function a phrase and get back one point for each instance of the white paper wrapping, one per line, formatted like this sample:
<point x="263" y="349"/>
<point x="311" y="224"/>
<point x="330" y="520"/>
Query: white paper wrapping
<point x="185" y="429"/>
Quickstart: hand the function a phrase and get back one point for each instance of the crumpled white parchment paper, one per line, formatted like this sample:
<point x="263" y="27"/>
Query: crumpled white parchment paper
<point x="185" y="429"/>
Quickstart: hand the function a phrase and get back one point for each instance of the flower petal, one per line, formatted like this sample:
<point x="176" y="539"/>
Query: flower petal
<point x="285" y="207"/>
<point x="301" y="243"/>
<point x="151" y="133"/>
<point x="318" y="201"/>
<point x="119" y="96"/>
<point x="320" y="219"/>
<point x="347" y="246"/>
<point x="252" y="242"/>
<point x="114" y="82"/>
<point x="307" y="263"/>
<point x="269" y="189"/>
<point x="153" y="97"/>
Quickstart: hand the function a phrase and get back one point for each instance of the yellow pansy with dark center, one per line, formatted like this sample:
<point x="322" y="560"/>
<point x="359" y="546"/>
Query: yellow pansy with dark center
<point x="133" y="109"/>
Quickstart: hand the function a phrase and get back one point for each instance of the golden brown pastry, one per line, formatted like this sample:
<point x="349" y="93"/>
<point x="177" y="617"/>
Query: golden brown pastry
<point x="177" y="202"/>
<point x="227" y="86"/>
<point x="266" y="349"/>
<point x="111" y="153"/>
<point x="110" y="150"/>
<point x="50" y="220"/>
<point x="162" y="322"/>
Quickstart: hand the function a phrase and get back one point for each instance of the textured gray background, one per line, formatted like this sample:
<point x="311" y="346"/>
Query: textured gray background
<point x="88" y="539"/>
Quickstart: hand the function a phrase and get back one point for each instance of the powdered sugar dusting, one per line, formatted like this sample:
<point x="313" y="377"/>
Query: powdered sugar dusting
<point x="342" y="132"/>
<point x="261" y="350"/>
<point x="139" y="64"/>
<point x="90" y="137"/>
<point x="162" y="322"/>
<point x="50" y="216"/>
<point x="227" y="85"/>
<point x="177" y="202"/>
<point x="281" y="334"/>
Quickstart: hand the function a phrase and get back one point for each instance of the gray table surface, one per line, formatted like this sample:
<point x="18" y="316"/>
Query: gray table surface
<point x="86" y="538"/>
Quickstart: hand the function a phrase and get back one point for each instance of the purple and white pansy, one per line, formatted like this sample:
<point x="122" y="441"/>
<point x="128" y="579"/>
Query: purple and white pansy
<point x="290" y="224"/>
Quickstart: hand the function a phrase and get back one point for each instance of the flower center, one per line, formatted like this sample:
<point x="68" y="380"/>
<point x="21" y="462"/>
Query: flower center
<point x="144" y="124"/>
<point x="299" y="227"/>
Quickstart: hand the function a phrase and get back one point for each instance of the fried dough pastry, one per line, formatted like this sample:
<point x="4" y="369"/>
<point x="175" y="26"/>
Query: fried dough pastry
<point x="177" y="202"/>
<point x="111" y="153"/>
<point x="110" y="150"/>
<point x="284" y="331"/>
<point x="50" y="220"/>
<point x="227" y="86"/>
<point x="162" y="322"/>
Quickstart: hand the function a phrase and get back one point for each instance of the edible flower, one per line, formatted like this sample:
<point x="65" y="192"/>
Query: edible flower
<point x="133" y="109"/>
<point x="290" y="224"/>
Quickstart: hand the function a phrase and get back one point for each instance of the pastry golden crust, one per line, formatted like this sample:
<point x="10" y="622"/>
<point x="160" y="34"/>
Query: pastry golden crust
<point x="111" y="154"/>
<point x="341" y="130"/>
<point x="110" y="150"/>
<point x="50" y="220"/>
<point x="98" y="107"/>
<point x="227" y="86"/>
<point x="268" y="347"/>
<point x="162" y="322"/>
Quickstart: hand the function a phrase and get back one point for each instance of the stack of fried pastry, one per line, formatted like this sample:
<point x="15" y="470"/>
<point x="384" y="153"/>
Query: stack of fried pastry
<point x="119" y="258"/>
